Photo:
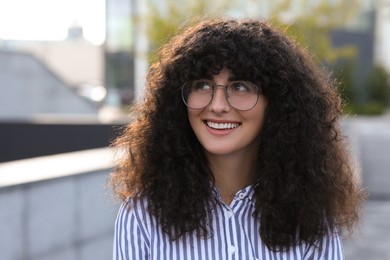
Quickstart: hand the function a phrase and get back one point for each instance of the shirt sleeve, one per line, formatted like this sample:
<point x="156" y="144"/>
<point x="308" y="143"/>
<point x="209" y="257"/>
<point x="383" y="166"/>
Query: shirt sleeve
<point x="129" y="242"/>
<point x="328" y="248"/>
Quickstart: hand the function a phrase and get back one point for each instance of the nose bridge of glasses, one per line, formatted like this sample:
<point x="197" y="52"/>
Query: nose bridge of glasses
<point x="222" y="87"/>
<point x="219" y="97"/>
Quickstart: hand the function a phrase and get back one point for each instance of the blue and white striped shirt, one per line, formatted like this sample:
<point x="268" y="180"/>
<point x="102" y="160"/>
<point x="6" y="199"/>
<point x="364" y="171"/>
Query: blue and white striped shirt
<point x="235" y="236"/>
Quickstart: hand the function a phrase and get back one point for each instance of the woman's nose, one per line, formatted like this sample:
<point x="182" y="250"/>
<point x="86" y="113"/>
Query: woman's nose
<point x="219" y="102"/>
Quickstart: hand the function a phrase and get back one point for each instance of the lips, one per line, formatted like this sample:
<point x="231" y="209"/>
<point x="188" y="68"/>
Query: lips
<point x="222" y="125"/>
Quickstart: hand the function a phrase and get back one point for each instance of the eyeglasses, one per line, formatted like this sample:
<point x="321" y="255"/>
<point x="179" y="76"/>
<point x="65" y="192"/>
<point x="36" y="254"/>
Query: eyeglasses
<point x="241" y="95"/>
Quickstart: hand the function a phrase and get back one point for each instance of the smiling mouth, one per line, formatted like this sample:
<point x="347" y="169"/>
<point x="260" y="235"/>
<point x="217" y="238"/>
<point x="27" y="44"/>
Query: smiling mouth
<point x="222" y="126"/>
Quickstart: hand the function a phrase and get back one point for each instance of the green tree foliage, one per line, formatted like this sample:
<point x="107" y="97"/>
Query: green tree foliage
<point x="308" y="22"/>
<point x="377" y="97"/>
<point x="163" y="20"/>
<point x="344" y="74"/>
<point x="378" y="84"/>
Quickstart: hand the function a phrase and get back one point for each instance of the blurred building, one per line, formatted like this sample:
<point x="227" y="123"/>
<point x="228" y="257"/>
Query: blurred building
<point x="29" y="88"/>
<point x="51" y="77"/>
<point x="382" y="34"/>
<point x="119" y="48"/>
<point x="374" y="20"/>
<point x="75" y="60"/>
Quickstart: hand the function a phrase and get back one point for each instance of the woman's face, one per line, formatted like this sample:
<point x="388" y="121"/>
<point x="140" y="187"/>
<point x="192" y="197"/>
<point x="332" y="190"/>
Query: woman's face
<point x="223" y="130"/>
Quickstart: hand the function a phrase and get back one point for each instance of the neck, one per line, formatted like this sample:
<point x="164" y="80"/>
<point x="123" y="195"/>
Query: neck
<point x="232" y="173"/>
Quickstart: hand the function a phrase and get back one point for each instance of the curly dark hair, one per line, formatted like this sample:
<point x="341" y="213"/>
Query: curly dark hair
<point x="306" y="183"/>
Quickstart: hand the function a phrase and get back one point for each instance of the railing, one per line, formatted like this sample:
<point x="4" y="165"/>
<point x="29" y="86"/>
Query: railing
<point x="57" y="207"/>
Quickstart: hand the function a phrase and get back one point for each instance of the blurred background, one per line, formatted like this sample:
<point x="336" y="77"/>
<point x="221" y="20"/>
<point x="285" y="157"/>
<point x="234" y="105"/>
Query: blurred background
<point x="70" y="71"/>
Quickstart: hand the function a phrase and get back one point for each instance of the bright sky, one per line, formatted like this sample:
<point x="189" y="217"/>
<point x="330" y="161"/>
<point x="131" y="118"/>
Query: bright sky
<point x="50" y="19"/>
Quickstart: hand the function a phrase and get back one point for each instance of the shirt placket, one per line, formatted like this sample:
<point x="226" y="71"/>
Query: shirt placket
<point x="230" y="225"/>
<point x="233" y="246"/>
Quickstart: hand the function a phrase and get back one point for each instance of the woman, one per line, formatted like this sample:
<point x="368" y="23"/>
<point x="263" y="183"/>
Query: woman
<point x="236" y="153"/>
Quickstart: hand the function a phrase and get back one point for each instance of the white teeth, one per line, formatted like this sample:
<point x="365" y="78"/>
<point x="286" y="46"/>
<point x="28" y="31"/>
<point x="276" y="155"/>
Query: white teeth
<point x="222" y="125"/>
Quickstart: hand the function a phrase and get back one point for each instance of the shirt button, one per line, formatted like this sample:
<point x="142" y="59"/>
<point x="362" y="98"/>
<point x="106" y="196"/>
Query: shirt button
<point x="229" y="214"/>
<point x="232" y="249"/>
<point x="241" y="196"/>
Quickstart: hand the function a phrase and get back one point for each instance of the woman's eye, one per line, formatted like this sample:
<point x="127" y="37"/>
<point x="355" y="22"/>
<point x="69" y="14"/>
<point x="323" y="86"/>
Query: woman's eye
<point x="202" y="85"/>
<point x="240" y="87"/>
<point x="243" y="87"/>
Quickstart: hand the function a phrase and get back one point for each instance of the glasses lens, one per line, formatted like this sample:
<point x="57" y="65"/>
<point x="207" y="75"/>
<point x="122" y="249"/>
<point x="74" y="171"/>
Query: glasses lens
<point x="197" y="94"/>
<point x="242" y="95"/>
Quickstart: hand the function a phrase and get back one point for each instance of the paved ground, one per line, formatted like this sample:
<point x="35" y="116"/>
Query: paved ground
<point x="371" y="143"/>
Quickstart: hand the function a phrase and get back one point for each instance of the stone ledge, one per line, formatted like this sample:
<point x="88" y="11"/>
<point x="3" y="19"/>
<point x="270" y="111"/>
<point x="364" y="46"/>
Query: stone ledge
<point x="55" y="166"/>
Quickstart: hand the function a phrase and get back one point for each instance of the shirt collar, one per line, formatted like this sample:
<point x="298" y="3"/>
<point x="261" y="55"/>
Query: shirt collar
<point x="247" y="192"/>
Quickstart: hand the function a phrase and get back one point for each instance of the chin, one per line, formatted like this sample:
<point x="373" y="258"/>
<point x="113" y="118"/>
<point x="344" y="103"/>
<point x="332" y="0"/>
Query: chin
<point x="218" y="150"/>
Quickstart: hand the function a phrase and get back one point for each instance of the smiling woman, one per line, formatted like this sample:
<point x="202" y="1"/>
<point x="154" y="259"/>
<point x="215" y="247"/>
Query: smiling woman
<point x="236" y="152"/>
<point x="46" y="20"/>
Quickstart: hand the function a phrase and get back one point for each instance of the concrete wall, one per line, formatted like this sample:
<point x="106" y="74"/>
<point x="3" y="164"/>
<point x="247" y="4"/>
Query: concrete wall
<point x="60" y="212"/>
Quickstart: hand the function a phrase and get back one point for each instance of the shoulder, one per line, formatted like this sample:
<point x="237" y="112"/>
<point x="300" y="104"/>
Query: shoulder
<point x="137" y="206"/>
<point x="133" y="215"/>
<point x="132" y="235"/>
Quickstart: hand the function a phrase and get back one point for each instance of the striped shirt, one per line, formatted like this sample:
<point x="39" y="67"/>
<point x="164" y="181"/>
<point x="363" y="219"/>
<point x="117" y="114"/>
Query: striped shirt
<point x="235" y="236"/>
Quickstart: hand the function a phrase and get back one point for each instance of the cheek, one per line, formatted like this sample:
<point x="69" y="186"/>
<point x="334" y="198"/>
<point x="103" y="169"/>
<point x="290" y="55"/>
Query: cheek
<point x="257" y="125"/>
<point x="257" y="117"/>
<point x="193" y="117"/>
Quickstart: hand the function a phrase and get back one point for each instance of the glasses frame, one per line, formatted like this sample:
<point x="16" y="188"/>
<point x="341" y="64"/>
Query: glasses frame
<point x="214" y="86"/>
